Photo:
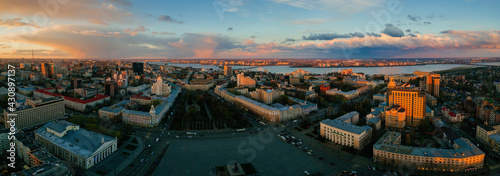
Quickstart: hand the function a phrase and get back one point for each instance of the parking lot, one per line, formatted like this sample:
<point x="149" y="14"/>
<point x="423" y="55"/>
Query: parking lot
<point x="268" y="154"/>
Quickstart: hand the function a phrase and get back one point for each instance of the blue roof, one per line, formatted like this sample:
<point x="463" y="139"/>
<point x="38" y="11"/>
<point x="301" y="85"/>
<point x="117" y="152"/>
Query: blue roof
<point x="116" y="107"/>
<point x="374" y="120"/>
<point x="427" y="109"/>
<point x="141" y="113"/>
<point x="81" y="142"/>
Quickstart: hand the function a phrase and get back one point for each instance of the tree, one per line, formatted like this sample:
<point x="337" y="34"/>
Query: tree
<point x="155" y="102"/>
<point x="425" y="125"/>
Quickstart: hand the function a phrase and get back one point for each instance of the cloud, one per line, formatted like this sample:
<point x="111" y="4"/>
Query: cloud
<point x="134" y="32"/>
<point x="97" y="21"/>
<point x="229" y="29"/>
<point x="168" y="19"/>
<point x="408" y="30"/>
<point x="163" y="33"/>
<point x="227" y="5"/>
<point x="427" y="22"/>
<point x="99" y="33"/>
<point x="393" y="31"/>
<point x="414" y="18"/>
<point x="3" y="46"/>
<point x="288" y="41"/>
<point x="16" y="22"/>
<point x="345" y="6"/>
<point x="124" y="3"/>
<point x="85" y="10"/>
<point x="82" y="41"/>
<point x="38" y="52"/>
<point x="309" y="22"/>
<point x="330" y="36"/>
<point x="450" y="43"/>
<point x="387" y="45"/>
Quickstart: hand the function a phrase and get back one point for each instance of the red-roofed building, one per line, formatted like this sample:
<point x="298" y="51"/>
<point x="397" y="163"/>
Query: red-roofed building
<point x="323" y="89"/>
<point x="69" y="102"/>
<point x="140" y="98"/>
<point x="452" y="116"/>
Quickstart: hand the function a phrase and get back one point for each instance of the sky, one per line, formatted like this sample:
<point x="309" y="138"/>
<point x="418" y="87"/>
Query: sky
<point x="173" y="29"/>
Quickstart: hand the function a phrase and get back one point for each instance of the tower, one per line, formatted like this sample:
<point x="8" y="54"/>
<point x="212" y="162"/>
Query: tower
<point x="152" y="111"/>
<point x="411" y="99"/>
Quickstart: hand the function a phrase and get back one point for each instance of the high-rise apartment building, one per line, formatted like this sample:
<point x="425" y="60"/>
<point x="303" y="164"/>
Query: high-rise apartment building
<point x="37" y="112"/>
<point x="76" y="83"/>
<point x="48" y="70"/>
<point x="138" y="67"/>
<point x="228" y="71"/>
<point x="409" y="98"/>
<point x="243" y="81"/>
<point x="111" y="88"/>
<point x="430" y="84"/>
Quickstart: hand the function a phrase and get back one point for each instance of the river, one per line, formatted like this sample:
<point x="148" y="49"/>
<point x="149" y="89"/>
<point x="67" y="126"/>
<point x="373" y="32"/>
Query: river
<point x="316" y="70"/>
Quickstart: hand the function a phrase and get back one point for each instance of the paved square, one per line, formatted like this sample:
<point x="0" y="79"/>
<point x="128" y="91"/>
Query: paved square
<point x="199" y="157"/>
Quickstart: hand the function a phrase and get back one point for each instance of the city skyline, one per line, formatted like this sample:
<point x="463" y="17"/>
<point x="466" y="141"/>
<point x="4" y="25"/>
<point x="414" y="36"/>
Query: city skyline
<point x="121" y="29"/>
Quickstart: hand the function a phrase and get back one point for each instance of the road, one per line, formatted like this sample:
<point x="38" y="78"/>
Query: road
<point x="149" y="136"/>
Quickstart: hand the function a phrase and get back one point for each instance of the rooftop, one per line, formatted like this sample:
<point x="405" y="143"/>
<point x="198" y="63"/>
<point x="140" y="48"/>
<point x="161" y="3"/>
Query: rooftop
<point x="79" y="141"/>
<point x="340" y="123"/>
<point x="463" y="148"/>
<point x="96" y="97"/>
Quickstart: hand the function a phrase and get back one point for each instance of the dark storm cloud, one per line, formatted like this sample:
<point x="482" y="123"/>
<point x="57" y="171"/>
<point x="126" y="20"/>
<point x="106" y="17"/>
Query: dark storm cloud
<point x="393" y="31"/>
<point x="407" y="30"/>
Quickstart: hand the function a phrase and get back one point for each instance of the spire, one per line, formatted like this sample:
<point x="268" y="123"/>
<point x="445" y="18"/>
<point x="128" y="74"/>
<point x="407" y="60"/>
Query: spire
<point x="152" y="111"/>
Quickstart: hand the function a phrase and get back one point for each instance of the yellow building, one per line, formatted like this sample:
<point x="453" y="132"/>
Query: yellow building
<point x="395" y="117"/>
<point x="489" y="135"/>
<point x="463" y="157"/>
<point x="266" y="96"/>
<point x="243" y="81"/>
<point x="431" y="84"/>
<point x="410" y="98"/>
